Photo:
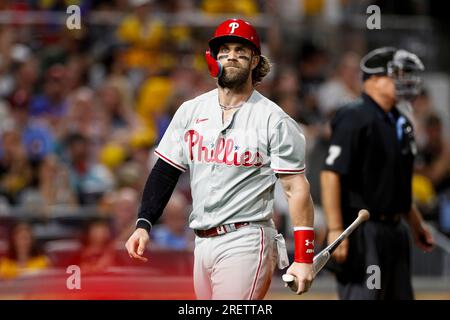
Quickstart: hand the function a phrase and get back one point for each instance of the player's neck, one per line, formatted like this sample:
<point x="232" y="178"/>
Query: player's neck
<point x="232" y="97"/>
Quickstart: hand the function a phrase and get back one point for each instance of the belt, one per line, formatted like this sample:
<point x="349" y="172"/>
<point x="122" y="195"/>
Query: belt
<point x="217" y="231"/>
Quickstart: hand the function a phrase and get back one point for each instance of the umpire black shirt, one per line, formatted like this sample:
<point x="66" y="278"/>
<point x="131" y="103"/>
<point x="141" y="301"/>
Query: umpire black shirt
<point x="373" y="152"/>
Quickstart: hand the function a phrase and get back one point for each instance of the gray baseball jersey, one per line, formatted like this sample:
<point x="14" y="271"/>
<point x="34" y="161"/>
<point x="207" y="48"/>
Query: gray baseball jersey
<point x="232" y="165"/>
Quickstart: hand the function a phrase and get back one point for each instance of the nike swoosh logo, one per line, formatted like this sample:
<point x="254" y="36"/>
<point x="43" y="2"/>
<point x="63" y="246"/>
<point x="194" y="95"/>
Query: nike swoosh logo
<point x="201" y="120"/>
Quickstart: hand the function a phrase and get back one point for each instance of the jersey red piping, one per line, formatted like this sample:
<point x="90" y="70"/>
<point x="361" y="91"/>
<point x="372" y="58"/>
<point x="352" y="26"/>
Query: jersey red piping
<point x="170" y="161"/>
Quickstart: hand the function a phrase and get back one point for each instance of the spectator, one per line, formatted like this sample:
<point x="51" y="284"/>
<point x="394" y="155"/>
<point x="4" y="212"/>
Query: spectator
<point x="54" y="184"/>
<point x="88" y="178"/>
<point x="143" y="34"/>
<point x="112" y="103"/>
<point x="17" y="64"/>
<point x="98" y="251"/>
<point x="286" y="92"/>
<point x="312" y="62"/>
<point x="435" y="155"/>
<point x="131" y="173"/>
<point x="37" y="138"/>
<point x="173" y="232"/>
<point x="422" y="107"/>
<point x="77" y="70"/>
<point x="52" y="103"/>
<point x="152" y="101"/>
<point x="113" y="155"/>
<point x="116" y="74"/>
<point x="15" y="171"/>
<point x="124" y="207"/>
<point x="243" y="7"/>
<point x="81" y="115"/>
<point x="26" y="72"/>
<point x="343" y="87"/>
<point x="24" y="255"/>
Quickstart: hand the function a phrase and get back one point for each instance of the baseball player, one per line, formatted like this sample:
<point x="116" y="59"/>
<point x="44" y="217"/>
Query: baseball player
<point x="235" y="143"/>
<point x="370" y="165"/>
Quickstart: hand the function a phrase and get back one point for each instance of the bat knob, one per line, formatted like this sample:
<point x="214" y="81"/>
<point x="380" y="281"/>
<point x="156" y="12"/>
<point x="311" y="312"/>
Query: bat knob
<point x="290" y="282"/>
<point x="364" y="215"/>
<point x="288" y="278"/>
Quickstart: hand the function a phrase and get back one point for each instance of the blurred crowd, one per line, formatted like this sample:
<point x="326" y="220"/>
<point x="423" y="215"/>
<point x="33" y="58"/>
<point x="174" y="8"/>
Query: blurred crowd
<point x="82" y="110"/>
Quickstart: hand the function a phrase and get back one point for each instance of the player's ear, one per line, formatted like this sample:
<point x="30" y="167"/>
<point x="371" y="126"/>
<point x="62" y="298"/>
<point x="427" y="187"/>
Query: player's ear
<point x="255" y="61"/>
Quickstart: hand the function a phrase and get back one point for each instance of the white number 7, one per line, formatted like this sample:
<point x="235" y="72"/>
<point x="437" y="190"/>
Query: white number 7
<point x="333" y="152"/>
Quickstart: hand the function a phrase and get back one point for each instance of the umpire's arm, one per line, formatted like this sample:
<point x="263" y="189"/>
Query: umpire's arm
<point x="331" y="203"/>
<point x="301" y="211"/>
<point x="346" y="127"/>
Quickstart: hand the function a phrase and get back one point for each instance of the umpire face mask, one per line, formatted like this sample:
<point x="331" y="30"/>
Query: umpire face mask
<point x="402" y="66"/>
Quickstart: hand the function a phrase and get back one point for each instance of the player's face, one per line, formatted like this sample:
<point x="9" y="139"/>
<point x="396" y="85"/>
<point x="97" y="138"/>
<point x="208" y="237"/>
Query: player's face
<point x="236" y="60"/>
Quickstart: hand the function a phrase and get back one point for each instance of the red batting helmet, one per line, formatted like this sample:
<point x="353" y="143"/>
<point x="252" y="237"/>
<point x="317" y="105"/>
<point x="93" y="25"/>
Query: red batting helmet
<point x="231" y="30"/>
<point x="234" y="30"/>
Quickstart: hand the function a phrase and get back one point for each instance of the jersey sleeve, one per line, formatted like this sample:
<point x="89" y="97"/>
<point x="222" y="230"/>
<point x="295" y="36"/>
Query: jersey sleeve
<point x="343" y="142"/>
<point x="287" y="147"/>
<point x="170" y="148"/>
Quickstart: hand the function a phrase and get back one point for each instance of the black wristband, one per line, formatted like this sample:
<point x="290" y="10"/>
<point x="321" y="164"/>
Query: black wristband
<point x="144" y="224"/>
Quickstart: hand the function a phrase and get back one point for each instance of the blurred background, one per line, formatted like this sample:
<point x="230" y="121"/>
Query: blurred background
<point x="82" y="110"/>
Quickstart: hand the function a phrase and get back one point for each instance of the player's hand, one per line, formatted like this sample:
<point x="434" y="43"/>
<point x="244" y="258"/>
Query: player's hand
<point x="137" y="243"/>
<point x="304" y="274"/>
<point x="341" y="252"/>
<point x="423" y="237"/>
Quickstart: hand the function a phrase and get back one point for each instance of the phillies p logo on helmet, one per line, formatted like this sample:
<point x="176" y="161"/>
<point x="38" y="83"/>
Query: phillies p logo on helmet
<point x="233" y="25"/>
<point x="234" y="28"/>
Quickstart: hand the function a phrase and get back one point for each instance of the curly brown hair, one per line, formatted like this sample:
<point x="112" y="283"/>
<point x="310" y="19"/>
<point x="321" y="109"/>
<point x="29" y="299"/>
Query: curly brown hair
<point x="261" y="70"/>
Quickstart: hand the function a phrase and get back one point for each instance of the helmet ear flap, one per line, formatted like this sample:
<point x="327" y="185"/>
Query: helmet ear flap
<point x="214" y="66"/>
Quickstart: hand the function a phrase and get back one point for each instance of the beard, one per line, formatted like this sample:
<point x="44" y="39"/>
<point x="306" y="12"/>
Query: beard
<point x="234" y="78"/>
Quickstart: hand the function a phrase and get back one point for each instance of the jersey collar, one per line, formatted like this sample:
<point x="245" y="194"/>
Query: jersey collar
<point x="387" y="116"/>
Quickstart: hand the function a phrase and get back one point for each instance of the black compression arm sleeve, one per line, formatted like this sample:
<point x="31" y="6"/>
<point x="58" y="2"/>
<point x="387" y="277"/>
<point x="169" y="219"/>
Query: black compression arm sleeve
<point x="157" y="191"/>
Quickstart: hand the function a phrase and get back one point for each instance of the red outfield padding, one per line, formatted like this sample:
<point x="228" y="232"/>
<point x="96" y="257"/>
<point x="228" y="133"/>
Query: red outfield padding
<point x="166" y="276"/>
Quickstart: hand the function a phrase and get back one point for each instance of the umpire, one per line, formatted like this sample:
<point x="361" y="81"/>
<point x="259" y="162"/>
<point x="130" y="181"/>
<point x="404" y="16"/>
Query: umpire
<point x="369" y="165"/>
